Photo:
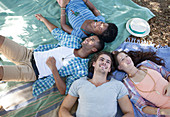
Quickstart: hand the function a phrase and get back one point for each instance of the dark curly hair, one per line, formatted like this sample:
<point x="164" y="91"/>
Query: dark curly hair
<point x="100" y="45"/>
<point x="140" y="56"/>
<point x="94" y="59"/>
<point x="110" y="33"/>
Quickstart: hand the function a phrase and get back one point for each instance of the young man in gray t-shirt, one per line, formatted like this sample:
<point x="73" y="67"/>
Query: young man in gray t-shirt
<point x="97" y="97"/>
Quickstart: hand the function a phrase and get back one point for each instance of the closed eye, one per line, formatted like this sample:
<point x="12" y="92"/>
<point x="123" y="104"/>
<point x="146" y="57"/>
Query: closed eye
<point x="101" y="59"/>
<point x="124" y="58"/>
<point x="108" y="61"/>
<point x="92" y="39"/>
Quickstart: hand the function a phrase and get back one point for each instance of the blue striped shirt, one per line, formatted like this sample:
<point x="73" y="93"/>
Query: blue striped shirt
<point x="77" y="13"/>
<point x="76" y="68"/>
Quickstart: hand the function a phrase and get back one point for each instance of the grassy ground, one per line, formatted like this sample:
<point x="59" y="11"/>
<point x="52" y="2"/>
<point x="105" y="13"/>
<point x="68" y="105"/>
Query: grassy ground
<point x="160" y="25"/>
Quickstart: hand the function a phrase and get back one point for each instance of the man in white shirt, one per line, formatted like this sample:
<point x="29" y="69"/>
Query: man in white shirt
<point x="49" y="62"/>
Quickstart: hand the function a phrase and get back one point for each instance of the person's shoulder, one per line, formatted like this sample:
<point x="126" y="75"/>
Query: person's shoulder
<point x="117" y="82"/>
<point x="117" y="85"/>
<point x="114" y="80"/>
<point x="80" y="82"/>
<point x="82" y="79"/>
<point x="144" y="63"/>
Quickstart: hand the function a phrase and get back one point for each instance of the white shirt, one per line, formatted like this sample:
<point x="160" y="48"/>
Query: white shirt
<point x="62" y="56"/>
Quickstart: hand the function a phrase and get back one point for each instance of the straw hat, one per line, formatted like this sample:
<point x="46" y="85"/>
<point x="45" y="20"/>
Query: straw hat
<point x="138" y="27"/>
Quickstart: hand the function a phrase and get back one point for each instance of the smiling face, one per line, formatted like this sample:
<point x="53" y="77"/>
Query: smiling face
<point x="103" y="64"/>
<point x="90" y="42"/>
<point x="99" y="27"/>
<point x="125" y="62"/>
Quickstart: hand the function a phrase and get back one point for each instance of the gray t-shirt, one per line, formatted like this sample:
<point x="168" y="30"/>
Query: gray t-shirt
<point x="98" y="101"/>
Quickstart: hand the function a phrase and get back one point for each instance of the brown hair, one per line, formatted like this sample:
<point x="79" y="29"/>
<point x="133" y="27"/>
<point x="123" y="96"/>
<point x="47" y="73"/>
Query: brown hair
<point x="140" y="56"/>
<point x="94" y="59"/>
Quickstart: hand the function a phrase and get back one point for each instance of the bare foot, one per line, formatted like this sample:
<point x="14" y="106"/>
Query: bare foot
<point x="39" y="17"/>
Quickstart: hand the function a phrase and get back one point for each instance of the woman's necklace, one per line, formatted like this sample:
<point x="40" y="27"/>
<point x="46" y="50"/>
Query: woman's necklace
<point x="68" y="56"/>
<point x="153" y="89"/>
<point x="130" y="75"/>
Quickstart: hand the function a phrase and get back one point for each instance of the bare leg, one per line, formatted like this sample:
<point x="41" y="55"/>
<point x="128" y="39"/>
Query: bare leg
<point x="48" y="24"/>
<point x="1" y="72"/>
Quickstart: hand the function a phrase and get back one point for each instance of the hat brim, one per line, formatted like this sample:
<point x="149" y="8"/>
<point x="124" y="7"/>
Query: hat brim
<point x="135" y="34"/>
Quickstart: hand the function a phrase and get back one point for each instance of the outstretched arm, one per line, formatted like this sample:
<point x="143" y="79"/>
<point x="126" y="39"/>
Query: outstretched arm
<point x="48" y="24"/>
<point x="126" y="106"/>
<point x="153" y="111"/>
<point x="64" y="26"/>
<point x="66" y="106"/>
<point x="51" y="62"/>
<point x="92" y="7"/>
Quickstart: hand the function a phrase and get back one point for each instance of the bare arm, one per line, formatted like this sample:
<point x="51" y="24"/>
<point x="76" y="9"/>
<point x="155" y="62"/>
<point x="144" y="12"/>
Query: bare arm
<point x="48" y="24"/>
<point x="167" y="88"/>
<point x="126" y="106"/>
<point x="64" y="26"/>
<point x="51" y="62"/>
<point x="92" y="7"/>
<point x="66" y="106"/>
<point x="153" y="111"/>
<point x="169" y="78"/>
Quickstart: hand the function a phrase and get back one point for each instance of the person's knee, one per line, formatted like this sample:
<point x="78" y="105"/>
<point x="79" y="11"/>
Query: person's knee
<point x="2" y="38"/>
<point x="1" y="73"/>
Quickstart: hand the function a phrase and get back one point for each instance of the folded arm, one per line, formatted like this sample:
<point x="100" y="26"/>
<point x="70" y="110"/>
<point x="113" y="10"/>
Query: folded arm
<point x="126" y="106"/>
<point x="51" y="62"/>
<point x="92" y="7"/>
<point x="153" y="111"/>
<point x="66" y="106"/>
<point x="64" y="26"/>
<point x="167" y="88"/>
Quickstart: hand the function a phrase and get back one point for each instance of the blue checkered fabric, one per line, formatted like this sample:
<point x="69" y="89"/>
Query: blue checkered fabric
<point x="76" y="68"/>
